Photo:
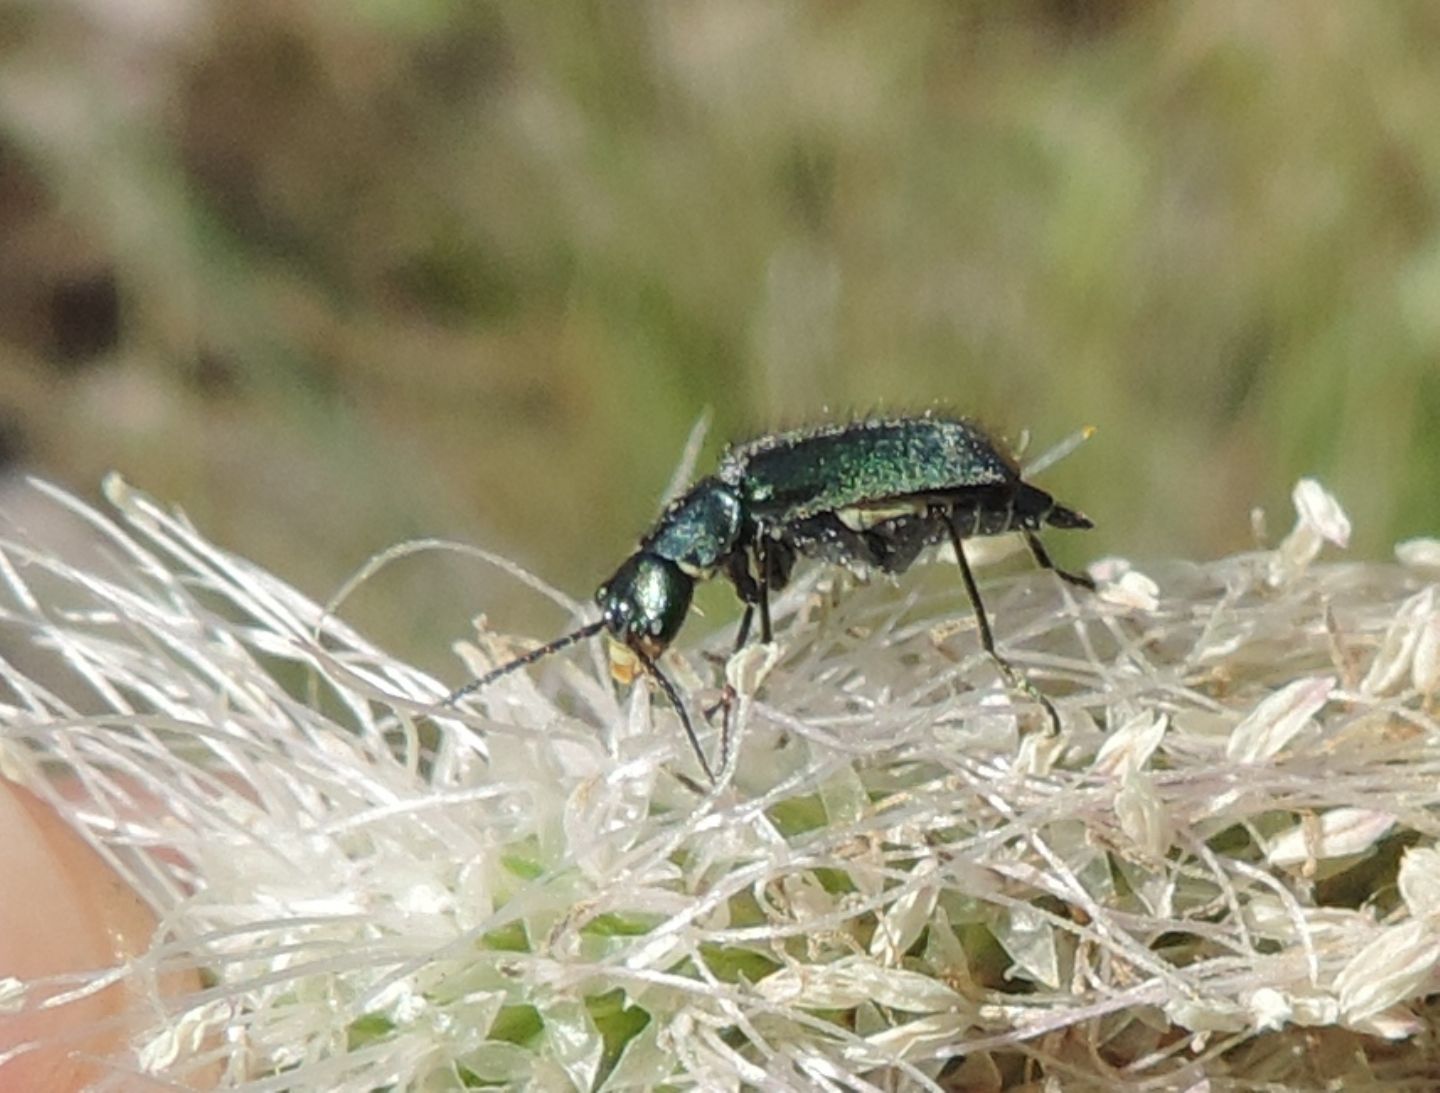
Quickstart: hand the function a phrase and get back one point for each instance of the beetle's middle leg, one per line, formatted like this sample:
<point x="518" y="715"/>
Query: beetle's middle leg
<point x="1013" y="676"/>
<point x="972" y="592"/>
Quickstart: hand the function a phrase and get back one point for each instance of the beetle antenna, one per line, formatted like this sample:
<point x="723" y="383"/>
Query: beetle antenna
<point x="674" y="696"/>
<point x="589" y="630"/>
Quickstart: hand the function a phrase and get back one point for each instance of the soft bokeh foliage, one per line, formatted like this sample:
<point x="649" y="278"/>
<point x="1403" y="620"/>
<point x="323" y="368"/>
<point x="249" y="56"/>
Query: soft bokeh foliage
<point x="332" y="274"/>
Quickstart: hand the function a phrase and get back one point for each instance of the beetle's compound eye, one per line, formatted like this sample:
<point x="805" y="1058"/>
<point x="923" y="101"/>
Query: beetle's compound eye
<point x="646" y="600"/>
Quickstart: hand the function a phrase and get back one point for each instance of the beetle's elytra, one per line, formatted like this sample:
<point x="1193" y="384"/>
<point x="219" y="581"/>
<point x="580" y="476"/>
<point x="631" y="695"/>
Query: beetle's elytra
<point x="869" y="494"/>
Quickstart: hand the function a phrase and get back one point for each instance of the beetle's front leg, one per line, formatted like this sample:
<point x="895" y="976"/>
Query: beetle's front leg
<point x="753" y="593"/>
<point x="762" y="571"/>
<point x="737" y="568"/>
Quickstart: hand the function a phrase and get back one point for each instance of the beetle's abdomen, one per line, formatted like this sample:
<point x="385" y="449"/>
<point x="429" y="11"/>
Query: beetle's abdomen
<point x="891" y="535"/>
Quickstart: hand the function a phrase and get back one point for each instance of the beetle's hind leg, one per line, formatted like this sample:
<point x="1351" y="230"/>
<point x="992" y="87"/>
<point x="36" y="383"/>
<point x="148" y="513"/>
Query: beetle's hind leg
<point x="1013" y="675"/>
<point x="1043" y="560"/>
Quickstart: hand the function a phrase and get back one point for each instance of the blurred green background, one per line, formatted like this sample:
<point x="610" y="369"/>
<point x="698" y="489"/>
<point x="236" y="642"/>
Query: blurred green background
<point x="337" y="273"/>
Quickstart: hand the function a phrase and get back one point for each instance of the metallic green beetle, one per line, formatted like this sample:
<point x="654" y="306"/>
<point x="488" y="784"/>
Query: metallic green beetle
<point x="869" y="494"/>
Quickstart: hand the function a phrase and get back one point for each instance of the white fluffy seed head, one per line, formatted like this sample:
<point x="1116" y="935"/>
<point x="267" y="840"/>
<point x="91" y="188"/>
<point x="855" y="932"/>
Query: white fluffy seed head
<point x="900" y="872"/>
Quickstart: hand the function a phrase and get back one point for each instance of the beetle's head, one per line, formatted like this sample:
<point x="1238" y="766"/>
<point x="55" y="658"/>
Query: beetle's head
<point x="645" y="602"/>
